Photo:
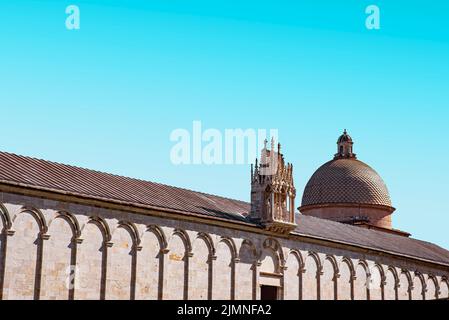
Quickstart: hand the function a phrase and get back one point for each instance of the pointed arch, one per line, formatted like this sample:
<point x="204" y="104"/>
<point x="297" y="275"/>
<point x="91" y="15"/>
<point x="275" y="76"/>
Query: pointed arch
<point x="329" y="278"/>
<point x="361" y="291"/>
<point x="246" y="271"/>
<point x="185" y="238"/>
<point x="376" y="282"/>
<point x="6" y="225"/>
<point x="177" y="274"/>
<point x="381" y="270"/>
<point x="251" y="245"/>
<point x="346" y="281"/>
<point x="364" y="264"/>
<point x="102" y="225"/>
<point x="311" y="277"/>
<point x="409" y="277"/>
<point x="151" y="263"/>
<point x="230" y="242"/>
<point x="395" y="274"/>
<point x="160" y="235"/>
<point x="293" y="271"/>
<point x="201" y="267"/>
<point x="71" y="220"/>
<point x="38" y="216"/>
<point x="405" y="285"/>
<point x="29" y="228"/>
<point x="274" y="245"/>
<point x="298" y="256"/>
<point x="210" y="243"/>
<point x="419" y="286"/>
<point x="317" y="259"/>
<point x="133" y="231"/>
<point x="60" y="256"/>
<point x="92" y="259"/>
<point x="334" y="263"/>
<point x="4" y="216"/>
<point x="391" y="284"/>
<point x="444" y="287"/>
<point x="350" y="265"/>
<point x="122" y="262"/>
<point x="224" y="272"/>
<point x="432" y="290"/>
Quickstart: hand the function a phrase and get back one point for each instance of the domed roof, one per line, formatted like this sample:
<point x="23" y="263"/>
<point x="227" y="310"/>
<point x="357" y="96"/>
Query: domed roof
<point x="345" y="137"/>
<point x="348" y="181"/>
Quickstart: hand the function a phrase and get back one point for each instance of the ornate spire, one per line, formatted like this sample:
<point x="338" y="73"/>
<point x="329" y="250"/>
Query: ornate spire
<point x="272" y="191"/>
<point x="345" y="144"/>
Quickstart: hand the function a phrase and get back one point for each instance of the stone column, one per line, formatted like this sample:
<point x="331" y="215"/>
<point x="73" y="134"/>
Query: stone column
<point x="4" y="282"/>
<point x="210" y="281"/>
<point x="257" y="282"/>
<point x="162" y="276"/>
<point x="39" y="262"/>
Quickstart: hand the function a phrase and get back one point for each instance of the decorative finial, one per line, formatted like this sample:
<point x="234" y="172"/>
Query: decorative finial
<point x="345" y="144"/>
<point x="279" y="147"/>
<point x="265" y="142"/>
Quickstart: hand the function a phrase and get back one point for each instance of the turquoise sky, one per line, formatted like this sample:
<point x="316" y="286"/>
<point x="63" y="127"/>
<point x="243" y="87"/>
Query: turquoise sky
<point x="108" y="96"/>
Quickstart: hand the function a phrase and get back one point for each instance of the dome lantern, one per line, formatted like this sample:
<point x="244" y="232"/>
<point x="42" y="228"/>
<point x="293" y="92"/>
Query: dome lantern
<point x="345" y="144"/>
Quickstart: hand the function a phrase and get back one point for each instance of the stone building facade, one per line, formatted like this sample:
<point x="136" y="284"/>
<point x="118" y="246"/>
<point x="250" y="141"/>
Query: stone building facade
<point x="72" y="233"/>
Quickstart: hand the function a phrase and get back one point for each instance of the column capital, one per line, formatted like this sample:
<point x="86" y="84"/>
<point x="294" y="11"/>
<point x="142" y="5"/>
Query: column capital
<point x="44" y="236"/>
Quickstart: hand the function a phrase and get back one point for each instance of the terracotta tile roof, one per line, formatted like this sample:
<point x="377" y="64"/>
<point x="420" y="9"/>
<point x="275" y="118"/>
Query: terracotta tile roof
<point x="55" y="177"/>
<point x="372" y="239"/>
<point x="83" y="182"/>
<point x="346" y="181"/>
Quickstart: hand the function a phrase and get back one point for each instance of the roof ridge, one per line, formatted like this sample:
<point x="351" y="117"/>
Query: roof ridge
<point x="120" y="176"/>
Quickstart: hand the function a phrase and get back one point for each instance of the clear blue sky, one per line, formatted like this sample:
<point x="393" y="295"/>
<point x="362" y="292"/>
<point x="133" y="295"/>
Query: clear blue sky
<point x="108" y="96"/>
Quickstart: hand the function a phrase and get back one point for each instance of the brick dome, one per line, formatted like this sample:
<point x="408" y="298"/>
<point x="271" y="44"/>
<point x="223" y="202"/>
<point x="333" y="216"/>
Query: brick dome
<point x="346" y="181"/>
